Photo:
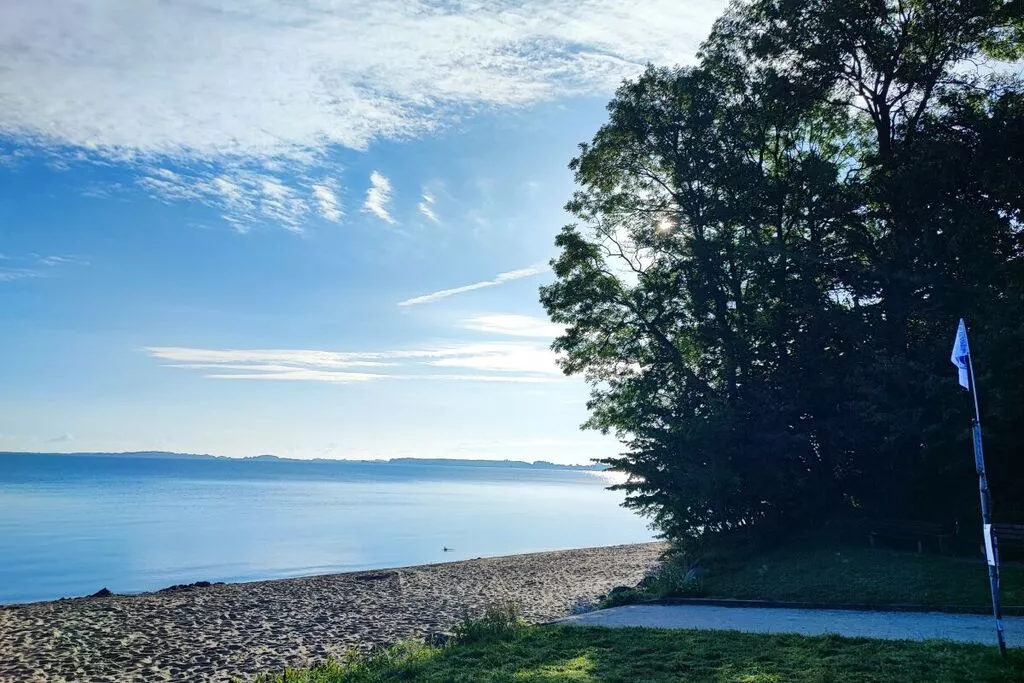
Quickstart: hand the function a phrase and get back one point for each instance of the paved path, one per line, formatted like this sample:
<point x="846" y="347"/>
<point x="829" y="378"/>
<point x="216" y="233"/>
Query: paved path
<point x="964" y="628"/>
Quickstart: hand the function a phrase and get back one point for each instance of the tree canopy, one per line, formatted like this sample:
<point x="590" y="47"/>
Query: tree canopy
<point x="771" y="252"/>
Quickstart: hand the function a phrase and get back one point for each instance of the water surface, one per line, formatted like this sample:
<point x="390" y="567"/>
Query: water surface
<point x="70" y="525"/>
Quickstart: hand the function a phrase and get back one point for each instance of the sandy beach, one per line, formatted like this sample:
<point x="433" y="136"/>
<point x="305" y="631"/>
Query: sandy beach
<point x="240" y="630"/>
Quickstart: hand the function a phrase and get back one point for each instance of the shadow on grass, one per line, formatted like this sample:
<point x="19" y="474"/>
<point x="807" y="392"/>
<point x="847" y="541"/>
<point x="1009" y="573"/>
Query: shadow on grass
<point x="831" y="572"/>
<point x="586" y="655"/>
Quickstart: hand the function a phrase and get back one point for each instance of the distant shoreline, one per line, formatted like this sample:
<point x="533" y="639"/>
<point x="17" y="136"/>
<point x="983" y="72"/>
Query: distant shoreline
<point x="440" y="462"/>
<point x="220" y="631"/>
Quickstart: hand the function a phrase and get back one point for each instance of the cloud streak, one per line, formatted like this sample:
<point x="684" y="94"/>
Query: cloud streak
<point x="285" y="357"/>
<point x="378" y="197"/>
<point x="327" y="201"/>
<point x="35" y="265"/>
<point x="498" y="279"/>
<point x="488" y="361"/>
<point x="246" y="196"/>
<point x="63" y="260"/>
<point x="212" y="79"/>
<point x="515" y="325"/>
<point x="12" y="274"/>
<point x="426" y="207"/>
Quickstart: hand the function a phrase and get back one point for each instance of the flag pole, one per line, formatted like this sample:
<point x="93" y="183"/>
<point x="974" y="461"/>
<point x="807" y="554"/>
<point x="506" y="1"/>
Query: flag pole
<point x="991" y="547"/>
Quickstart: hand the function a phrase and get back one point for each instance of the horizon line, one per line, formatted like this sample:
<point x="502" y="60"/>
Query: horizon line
<point x="270" y="456"/>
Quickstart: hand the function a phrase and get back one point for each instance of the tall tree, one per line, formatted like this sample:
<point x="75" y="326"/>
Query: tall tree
<point x="759" y="285"/>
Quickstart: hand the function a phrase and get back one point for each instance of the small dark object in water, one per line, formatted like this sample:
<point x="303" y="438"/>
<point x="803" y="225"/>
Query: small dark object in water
<point x="446" y="549"/>
<point x="102" y="593"/>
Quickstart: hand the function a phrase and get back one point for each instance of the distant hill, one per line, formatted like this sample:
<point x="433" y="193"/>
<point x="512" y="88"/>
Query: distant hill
<point x="436" y="462"/>
<point x="137" y="455"/>
<point x="536" y="464"/>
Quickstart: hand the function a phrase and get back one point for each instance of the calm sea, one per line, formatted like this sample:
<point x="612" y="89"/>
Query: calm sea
<point x="70" y="525"/>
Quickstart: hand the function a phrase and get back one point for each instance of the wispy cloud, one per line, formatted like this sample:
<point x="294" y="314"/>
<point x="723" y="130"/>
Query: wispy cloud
<point x="327" y="200"/>
<point x="288" y="357"/>
<point x="378" y="197"/>
<point x="223" y="78"/>
<point x="245" y="196"/>
<point x="498" y="279"/>
<point x="63" y="260"/>
<point x="515" y="325"/>
<point x="500" y="356"/>
<point x="32" y="266"/>
<point x="299" y="375"/>
<point x="516" y="379"/>
<point x="11" y="274"/>
<point x="426" y="207"/>
<point x="489" y="361"/>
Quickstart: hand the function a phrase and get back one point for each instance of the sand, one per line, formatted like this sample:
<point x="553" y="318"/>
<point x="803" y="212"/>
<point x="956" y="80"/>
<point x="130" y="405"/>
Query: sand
<point x="239" y="630"/>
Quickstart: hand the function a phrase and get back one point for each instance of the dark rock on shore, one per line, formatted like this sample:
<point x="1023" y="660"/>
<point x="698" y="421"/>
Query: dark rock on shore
<point x="102" y="593"/>
<point x="189" y="586"/>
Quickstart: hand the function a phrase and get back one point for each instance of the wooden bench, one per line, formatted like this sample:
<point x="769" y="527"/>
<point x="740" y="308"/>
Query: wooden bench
<point x="912" y="531"/>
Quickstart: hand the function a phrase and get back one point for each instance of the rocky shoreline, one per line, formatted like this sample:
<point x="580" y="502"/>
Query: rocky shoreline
<point x="217" y="632"/>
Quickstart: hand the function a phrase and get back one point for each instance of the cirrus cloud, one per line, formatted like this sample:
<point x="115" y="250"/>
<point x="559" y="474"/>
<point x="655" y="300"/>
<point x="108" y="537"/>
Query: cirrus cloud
<point x="246" y="196"/>
<point x="33" y="266"/>
<point x="515" y="325"/>
<point x="498" y="279"/>
<point x="488" y="361"/>
<point x="273" y="78"/>
<point x="327" y="200"/>
<point x="378" y="197"/>
<point x="426" y="207"/>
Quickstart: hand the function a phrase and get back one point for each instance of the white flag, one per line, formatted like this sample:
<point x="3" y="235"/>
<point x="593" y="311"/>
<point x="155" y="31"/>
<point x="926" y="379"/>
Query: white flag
<point x="960" y="353"/>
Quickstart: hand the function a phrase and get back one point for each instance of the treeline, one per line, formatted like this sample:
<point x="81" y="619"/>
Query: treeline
<point x="772" y="251"/>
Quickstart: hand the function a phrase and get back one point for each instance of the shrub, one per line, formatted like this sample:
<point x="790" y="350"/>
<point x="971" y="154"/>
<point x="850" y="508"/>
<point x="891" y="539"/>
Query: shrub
<point x="499" y="620"/>
<point x="671" y="579"/>
<point x="404" y="658"/>
<point x="628" y="596"/>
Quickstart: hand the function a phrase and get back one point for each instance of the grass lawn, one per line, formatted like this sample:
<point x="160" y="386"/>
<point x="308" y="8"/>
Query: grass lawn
<point x="828" y="572"/>
<point x="584" y="655"/>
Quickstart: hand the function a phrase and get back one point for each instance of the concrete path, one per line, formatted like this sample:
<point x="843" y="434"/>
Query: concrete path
<point x="964" y="628"/>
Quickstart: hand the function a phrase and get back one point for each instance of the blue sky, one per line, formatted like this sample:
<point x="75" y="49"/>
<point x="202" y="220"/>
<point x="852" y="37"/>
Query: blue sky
<point x="314" y="229"/>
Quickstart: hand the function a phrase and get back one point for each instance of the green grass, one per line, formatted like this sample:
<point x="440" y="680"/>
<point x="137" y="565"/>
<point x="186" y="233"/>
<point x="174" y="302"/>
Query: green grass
<point x="585" y="655"/>
<point x="829" y="572"/>
<point x="498" y="648"/>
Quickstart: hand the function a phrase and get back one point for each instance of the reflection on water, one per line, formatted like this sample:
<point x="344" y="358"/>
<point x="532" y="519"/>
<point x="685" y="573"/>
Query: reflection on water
<point x="71" y="525"/>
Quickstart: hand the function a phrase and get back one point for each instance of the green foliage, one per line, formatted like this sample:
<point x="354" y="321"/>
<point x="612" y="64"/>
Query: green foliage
<point x="499" y="620"/>
<point x="771" y="253"/>
<point x="389" y="664"/>
<point x="404" y="661"/>
<point x="592" y="655"/>
<point x="629" y="596"/>
<point x="671" y="579"/>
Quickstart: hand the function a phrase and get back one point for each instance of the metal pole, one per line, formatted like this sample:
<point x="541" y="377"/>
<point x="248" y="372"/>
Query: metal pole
<point x="992" y="559"/>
